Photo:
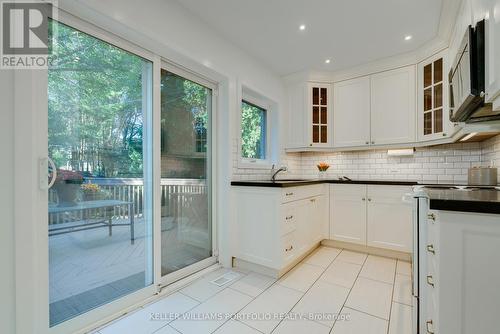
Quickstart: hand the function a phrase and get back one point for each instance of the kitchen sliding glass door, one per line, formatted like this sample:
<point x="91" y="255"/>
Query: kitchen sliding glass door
<point x="100" y="147"/>
<point x="128" y="208"/>
<point x="186" y="157"/>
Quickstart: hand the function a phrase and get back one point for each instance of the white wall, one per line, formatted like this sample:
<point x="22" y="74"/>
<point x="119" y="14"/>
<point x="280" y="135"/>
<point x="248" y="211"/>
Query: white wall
<point x="490" y="153"/>
<point x="436" y="164"/>
<point x="7" y="279"/>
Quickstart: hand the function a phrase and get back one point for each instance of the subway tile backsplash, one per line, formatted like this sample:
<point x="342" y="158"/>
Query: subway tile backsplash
<point x="434" y="164"/>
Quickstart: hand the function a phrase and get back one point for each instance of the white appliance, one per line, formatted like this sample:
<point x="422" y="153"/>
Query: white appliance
<point x="420" y="201"/>
<point x="421" y="217"/>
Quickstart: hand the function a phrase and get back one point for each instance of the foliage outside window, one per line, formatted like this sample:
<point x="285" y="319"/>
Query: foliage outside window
<point x="253" y="131"/>
<point x="95" y="105"/>
<point x="184" y="114"/>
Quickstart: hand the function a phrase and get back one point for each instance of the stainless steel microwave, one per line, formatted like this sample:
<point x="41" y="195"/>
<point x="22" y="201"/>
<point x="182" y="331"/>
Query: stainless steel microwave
<point x="466" y="77"/>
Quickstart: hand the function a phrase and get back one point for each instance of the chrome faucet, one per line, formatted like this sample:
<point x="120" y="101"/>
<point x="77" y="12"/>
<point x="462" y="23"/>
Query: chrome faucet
<point x="281" y="169"/>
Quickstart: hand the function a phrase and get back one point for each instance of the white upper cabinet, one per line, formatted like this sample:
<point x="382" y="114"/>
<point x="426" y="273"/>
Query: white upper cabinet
<point x="393" y="106"/>
<point x="375" y="109"/>
<point x="319" y="114"/>
<point x="351" y="112"/>
<point x="310" y="115"/>
<point x="432" y="100"/>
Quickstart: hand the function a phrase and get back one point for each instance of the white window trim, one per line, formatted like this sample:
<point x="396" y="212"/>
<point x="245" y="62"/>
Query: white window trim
<point x="256" y="98"/>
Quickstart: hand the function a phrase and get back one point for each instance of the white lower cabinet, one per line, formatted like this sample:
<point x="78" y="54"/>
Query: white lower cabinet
<point x="389" y="223"/>
<point x="348" y="213"/>
<point x="461" y="275"/>
<point x="371" y="215"/>
<point x="276" y="226"/>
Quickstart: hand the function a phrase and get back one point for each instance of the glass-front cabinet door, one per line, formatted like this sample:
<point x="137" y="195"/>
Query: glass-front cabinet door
<point x="433" y="111"/>
<point x="319" y="114"/>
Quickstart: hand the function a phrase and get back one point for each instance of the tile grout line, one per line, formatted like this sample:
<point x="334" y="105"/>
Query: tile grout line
<point x="304" y="293"/>
<point x="392" y="297"/>
<point x="196" y="300"/>
<point x="142" y="307"/>
<point x="364" y="312"/>
<point x="350" y="290"/>
<point x="253" y="298"/>
<point x="227" y="287"/>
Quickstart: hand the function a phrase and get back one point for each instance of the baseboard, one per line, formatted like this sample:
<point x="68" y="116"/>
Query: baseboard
<point x="367" y="249"/>
<point x="276" y="273"/>
<point x="246" y="265"/>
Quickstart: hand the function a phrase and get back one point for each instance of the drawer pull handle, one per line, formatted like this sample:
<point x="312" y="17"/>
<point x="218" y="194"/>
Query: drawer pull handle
<point x="430" y="249"/>
<point x="369" y="199"/>
<point x="367" y="142"/>
<point x="289" y="217"/>
<point x="288" y="194"/>
<point x="313" y="199"/>
<point x="289" y="248"/>
<point x="428" y="324"/>
<point x="364" y="199"/>
<point x="430" y="280"/>
<point x="431" y="216"/>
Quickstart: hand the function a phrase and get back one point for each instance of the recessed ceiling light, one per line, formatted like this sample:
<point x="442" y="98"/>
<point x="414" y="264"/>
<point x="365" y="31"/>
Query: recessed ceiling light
<point x="327" y="61"/>
<point x="408" y="37"/>
<point x="302" y="27"/>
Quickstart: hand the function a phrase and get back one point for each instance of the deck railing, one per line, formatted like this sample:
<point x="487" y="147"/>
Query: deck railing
<point x="173" y="194"/>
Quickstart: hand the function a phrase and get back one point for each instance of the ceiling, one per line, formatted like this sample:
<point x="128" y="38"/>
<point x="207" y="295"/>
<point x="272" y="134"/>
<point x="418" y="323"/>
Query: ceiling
<point x="349" y="32"/>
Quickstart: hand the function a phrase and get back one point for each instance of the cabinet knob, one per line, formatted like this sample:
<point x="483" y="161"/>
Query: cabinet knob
<point x="364" y="199"/>
<point x="430" y="249"/>
<point x="444" y="134"/>
<point x="373" y="142"/>
<point x="369" y="199"/>
<point x="289" y="248"/>
<point x="367" y="142"/>
<point x="430" y="280"/>
<point x="428" y="326"/>
<point x="310" y="144"/>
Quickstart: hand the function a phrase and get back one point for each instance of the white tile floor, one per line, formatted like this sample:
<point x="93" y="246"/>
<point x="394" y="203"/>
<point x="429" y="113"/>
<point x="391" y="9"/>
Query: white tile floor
<point x="371" y="293"/>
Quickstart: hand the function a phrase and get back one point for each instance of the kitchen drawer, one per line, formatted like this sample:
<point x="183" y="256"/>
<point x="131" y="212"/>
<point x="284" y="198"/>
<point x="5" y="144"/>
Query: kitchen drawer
<point x="298" y="193"/>
<point x="288" y="247"/>
<point x="288" y="218"/>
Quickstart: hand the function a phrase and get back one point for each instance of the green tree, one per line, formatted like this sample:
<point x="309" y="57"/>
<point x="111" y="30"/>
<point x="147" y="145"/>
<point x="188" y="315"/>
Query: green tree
<point x="95" y="102"/>
<point x="252" y="131"/>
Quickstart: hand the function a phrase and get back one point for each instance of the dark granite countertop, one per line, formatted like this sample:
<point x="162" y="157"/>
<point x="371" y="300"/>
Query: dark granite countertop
<point x="296" y="183"/>
<point x="474" y="200"/>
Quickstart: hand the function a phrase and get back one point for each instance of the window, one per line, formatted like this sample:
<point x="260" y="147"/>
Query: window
<point x="253" y="131"/>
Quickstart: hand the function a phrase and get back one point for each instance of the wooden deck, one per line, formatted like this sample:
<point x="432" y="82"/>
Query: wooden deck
<point x="84" y="262"/>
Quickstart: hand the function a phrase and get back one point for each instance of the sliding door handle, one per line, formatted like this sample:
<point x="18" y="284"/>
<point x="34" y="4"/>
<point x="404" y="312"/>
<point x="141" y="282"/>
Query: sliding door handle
<point x="43" y="174"/>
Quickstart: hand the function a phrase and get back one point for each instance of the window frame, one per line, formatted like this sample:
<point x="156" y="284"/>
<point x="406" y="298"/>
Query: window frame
<point x="32" y="290"/>
<point x="252" y="98"/>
